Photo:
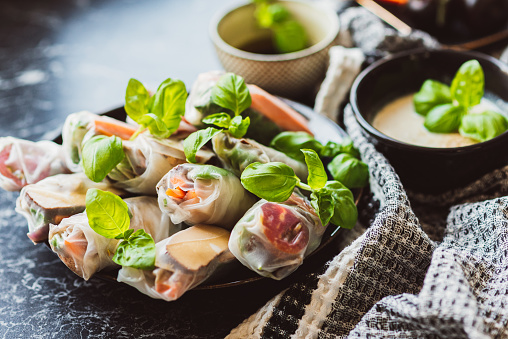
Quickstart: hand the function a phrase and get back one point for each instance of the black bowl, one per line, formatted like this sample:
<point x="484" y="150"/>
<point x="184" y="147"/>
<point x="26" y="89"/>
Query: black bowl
<point x="427" y="169"/>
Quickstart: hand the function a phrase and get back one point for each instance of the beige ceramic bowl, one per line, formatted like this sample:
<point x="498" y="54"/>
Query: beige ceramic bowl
<point x="294" y="75"/>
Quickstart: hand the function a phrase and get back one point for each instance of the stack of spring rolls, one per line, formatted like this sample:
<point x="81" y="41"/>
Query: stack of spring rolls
<point x="199" y="215"/>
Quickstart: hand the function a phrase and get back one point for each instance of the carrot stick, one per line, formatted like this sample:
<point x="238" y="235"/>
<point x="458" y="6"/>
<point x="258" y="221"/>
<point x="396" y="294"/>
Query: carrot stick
<point x="277" y="110"/>
<point x="190" y="194"/>
<point x="109" y="127"/>
<point x="76" y="248"/>
<point x="177" y="192"/>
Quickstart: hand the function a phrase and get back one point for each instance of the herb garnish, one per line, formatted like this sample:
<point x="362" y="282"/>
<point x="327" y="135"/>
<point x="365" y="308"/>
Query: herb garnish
<point x="108" y="215"/>
<point x="346" y="165"/>
<point x="161" y="113"/>
<point x="448" y="109"/>
<point x="275" y="181"/>
<point x="288" y="35"/>
<point x="100" y="155"/>
<point x="230" y="92"/>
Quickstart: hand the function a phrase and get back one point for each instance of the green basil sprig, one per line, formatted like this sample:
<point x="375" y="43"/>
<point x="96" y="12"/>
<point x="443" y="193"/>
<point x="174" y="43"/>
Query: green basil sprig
<point x="100" y="155"/>
<point x="161" y="113"/>
<point x="288" y="34"/>
<point x="447" y="109"/>
<point x="108" y="215"/>
<point x="276" y="181"/>
<point x="349" y="170"/>
<point x="231" y="93"/>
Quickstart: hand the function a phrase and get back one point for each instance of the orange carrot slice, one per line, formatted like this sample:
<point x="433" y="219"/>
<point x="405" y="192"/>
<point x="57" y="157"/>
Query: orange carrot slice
<point x="190" y="194"/>
<point x="177" y="192"/>
<point x="277" y="110"/>
<point x="78" y="248"/>
<point x="109" y="127"/>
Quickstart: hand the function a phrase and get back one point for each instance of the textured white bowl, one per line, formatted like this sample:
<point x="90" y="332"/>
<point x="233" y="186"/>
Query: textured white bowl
<point x="294" y="75"/>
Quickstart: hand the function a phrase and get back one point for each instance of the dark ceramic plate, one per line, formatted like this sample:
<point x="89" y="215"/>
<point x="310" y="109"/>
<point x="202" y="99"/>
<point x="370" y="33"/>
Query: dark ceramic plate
<point x="324" y="130"/>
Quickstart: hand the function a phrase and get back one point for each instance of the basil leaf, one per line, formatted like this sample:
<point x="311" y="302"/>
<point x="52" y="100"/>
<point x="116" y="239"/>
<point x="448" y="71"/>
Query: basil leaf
<point x="467" y="85"/>
<point x="232" y="93"/>
<point x="137" y="99"/>
<point x="432" y="93"/>
<point x="208" y="172"/>
<point x="155" y="125"/>
<point x="332" y="149"/>
<point x="100" y="155"/>
<point x="349" y="171"/>
<point x="317" y="175"/>
<point x="169" y="103"/>
<point x="345" y="213"/>
<point x="193" y="143"/>
<point x="268" y="14"/>
<point x="323" y="202"/>
<point x="444" y="118"/>
<point x="218" y="119"/>
<point x="273" y="181"/>
<point x="239" y="126"/>
<point x="137" y="251"/>
<point x="289" y="36"/>
<point x="290" y="143"/>
<point x="483" y="126"/>
<point x="107" y="213"/>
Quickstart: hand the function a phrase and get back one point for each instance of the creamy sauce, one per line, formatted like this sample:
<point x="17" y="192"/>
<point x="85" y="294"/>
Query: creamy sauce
<point x="399" y="121"/>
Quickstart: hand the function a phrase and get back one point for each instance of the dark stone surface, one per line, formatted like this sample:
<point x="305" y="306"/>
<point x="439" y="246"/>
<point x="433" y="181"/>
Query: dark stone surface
<point x="62" y="56"/>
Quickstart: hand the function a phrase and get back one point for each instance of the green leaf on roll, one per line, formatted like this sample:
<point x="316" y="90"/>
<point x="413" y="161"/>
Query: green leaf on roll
<point x="232" y="93"/>
<point x="107" y="213"/>
<point x="290" y="143"/>
<point x="317" y="175"/>
<point x="193" y="143"/>
<point x="100" y="155"/>
<point x="218" y="119"/>
<point x="350" y="171"/>
<point x="239" y="126"/>
<point x="273" y="181"/>
<point x="137" y="250"/>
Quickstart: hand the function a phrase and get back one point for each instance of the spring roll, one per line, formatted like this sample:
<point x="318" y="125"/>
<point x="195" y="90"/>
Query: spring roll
<point x="182" y="262"/>
<point x="53" y="199"/>
<point x="236" y="154"/>
<point x="24" y="162"/>
<point x="85" y="252"/>
<point x="147" y="160"/>
<point x="197" y="194"/>
<point x="272" y="239"/>
<point x="81" y="126"/>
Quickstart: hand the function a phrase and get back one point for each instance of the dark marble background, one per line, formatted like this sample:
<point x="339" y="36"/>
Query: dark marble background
<point x="63" y="56"/>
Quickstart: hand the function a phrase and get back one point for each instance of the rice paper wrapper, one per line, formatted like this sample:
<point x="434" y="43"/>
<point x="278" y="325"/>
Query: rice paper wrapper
<point x="81" y="126"/>
<point x="272" y="239"/>
<point x="236" y="154"/>
<point x="218" y="197"/>
<point x="86" y="252"/>
<point x="147" y="160"/>
<point x="24" y="162"/>
<point x="54" y="198"/>
<point x="199" y="104"/>
<point x="182" y="262"/>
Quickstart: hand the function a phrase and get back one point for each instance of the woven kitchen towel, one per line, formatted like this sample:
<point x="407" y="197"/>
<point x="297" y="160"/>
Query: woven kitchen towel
<point x="394" y="281"/>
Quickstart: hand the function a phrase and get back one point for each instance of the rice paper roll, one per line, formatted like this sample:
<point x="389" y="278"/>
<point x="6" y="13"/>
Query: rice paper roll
<point x="196" y="194"/>
<point x="86" y="252"/>
<point x="182" y="262"/>
<point x="147" y="160"/>
<point x="24" y="162"/>
<point x="236" y="154"/>
<point x="55" y="198"/>
<point x="81" y="126"/>
<point x="272" y="239"/>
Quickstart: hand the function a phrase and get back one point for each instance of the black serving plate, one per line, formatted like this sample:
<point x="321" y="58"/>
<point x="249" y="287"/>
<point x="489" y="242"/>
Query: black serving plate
<point x="324" y="130"/>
